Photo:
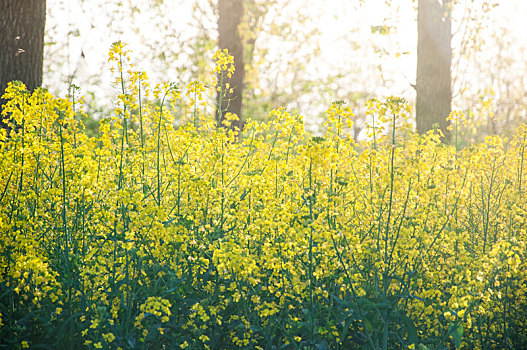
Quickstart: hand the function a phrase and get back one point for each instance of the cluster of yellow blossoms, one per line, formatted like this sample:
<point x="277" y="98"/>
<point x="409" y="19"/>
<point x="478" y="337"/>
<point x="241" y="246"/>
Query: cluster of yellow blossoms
<point x="165" y="233"/>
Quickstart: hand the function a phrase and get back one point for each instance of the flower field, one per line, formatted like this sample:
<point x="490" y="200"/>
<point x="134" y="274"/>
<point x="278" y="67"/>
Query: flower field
<point x="165" y="234"/>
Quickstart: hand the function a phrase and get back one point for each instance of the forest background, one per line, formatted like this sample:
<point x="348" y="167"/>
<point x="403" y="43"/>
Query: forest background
<point x="297" y="56"/>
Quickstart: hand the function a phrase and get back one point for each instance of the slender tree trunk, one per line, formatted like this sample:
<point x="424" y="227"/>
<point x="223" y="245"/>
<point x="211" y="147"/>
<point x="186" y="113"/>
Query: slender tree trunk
<point x="22" y="25"/>
<point x="229" y="18"/>
<point x="434" y="58"/>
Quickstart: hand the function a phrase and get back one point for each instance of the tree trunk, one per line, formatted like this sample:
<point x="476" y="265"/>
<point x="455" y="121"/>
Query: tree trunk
<point x="229" y="18"/>
<point x="22" y="25"/>
<point x="434" y="57"/>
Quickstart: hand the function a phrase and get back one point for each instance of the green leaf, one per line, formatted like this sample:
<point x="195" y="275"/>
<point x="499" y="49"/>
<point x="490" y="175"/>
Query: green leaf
<point x="456" y="331"/>
<point x="382" y="29"/>
<point x="410" y="328"/>
<point x="317" y="139"/>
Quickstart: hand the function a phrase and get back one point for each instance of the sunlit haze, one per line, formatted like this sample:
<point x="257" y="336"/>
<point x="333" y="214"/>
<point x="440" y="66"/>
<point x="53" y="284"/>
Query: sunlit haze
<point x="367" y="62"/>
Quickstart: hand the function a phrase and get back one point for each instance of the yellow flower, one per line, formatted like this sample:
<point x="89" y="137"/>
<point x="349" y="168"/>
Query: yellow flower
<point x="108" y="337"/>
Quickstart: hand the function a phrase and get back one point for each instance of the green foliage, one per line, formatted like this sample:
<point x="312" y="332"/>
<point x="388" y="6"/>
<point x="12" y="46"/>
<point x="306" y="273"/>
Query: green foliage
<point x="157" y="234"/>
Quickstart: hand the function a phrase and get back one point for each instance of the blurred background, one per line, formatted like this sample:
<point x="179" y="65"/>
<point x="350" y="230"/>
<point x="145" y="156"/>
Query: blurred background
<point x="297" y="54"/>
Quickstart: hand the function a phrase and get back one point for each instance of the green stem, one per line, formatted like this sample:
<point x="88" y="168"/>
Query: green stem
<point x="219" y="112"/>
<point x="159" y="150"/>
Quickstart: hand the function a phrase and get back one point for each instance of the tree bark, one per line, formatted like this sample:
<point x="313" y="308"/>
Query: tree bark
<point x="434" y="58"/>
<point x="229" y="18"/>
<point x="22" y="25"/>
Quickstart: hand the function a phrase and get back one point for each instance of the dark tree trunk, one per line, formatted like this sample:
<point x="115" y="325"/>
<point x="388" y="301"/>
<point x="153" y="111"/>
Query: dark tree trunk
<point x="229" y="18"/>
<point x="434" y="57"/>
<point x="22" y="25"/>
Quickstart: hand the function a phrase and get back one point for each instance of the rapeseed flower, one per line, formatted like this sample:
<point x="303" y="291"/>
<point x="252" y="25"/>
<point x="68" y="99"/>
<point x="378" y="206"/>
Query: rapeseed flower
<point x="167" y="232"/>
